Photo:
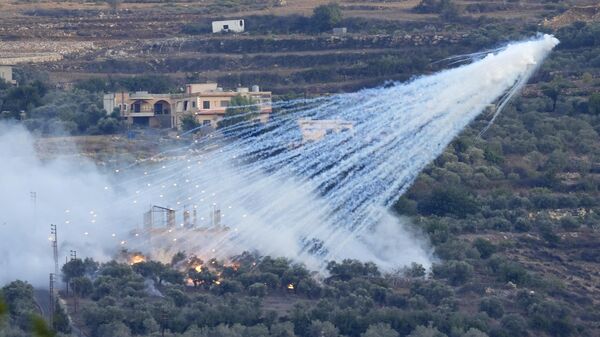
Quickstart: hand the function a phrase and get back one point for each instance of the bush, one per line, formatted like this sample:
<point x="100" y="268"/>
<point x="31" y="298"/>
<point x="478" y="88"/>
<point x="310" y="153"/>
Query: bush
<point x="380" y="330"/>
<point x="457" y="272"/>
<point x="325" y="17"/>
<point x="492" y="306"/>
<point x="484" y="247"/>
<point x="454" y="201"/>
<point x="594" y="104"/>
<point x="258" y="290"/>
<point x="515" y="325"/>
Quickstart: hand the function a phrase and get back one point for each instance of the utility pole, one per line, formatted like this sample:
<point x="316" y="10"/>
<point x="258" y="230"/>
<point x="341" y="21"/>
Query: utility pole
<point x="164" y="318"/>
<point x="52" y="299"/>
<point x="73" y="255"/>
<point x="54" y="239"/>
<point x="33" y="196"/>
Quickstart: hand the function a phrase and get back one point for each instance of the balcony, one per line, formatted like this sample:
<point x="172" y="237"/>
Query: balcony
<point x="139" y="113"/>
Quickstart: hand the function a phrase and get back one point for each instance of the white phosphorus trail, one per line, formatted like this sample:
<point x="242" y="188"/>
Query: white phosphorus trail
<point x="311" y="201"/>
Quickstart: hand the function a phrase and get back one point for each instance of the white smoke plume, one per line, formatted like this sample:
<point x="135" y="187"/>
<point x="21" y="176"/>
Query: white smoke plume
<point x="277" y="194"/>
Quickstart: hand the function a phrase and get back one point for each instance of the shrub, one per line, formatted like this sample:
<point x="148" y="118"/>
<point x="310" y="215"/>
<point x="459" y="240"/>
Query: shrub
<point x="457" y="272"/>
<point x="325" y="17"/>
<point x="454" y="201"/>
<point x="484" y="247"/>
<point x="258" y="290"/>
<point x="492" y="306"/>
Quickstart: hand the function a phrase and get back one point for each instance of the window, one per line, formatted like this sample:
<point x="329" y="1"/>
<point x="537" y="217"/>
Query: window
<point x="225" y="27"/>
<point x="205" y="104"/>
<point x="193" y="104"/>
<point x="205" y="122"/>
<point x="185" y="105"/>
<point x="241" y="23"/>
<point x="224" y="104"/>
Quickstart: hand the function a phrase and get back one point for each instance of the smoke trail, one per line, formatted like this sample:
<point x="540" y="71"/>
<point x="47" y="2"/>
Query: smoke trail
<point x="327" y="199"/>
<point x="278" y="193"/>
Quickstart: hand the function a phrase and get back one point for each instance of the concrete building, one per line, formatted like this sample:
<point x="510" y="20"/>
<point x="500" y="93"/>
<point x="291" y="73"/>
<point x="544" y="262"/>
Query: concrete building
<point x="226" y="26"/>
<point x="340" y="31"/>
<point x="205" y="101"/>
<point x="313" y="130"/>
<point x="6" y="74"/>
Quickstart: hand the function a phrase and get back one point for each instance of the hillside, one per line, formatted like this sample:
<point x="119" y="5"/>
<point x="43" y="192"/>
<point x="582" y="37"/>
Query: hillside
<point x="513" y="214"/>
<point x="385" y="40"/>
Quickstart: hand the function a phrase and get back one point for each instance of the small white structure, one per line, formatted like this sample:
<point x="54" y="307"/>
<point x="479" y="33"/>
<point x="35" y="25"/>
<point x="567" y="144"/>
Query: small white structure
<point x="226" y="26"/>
<point x="313" y="130"/>
<point x="6" y="74"/>
<point x="340" y="31"/>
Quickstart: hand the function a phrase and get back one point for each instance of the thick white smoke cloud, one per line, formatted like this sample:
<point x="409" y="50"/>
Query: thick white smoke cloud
<point x="69" y="193"/>
<point x="311" y="202"/>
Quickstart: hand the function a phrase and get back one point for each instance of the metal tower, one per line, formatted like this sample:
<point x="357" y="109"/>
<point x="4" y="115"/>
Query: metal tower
<point x="54" y="239"/>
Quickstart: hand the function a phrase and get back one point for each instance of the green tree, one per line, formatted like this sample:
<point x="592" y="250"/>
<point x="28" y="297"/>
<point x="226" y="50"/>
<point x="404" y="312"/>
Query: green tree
<point x="60" y="321"/>
<point x="109" y="125"/>
<point x="415" y="270"/>
<point x="72" y="269"/>
<point x="484" y="247"/>
<point x="552" y="92"/>
<point x="39" y="328"/>
<point x="258" y="290"/>
<point x="189" y="122"/>
<point x="515" y="325"/>
<point x="114" y="4"/>
<point x="492" y="306"/>
<point x="448" y="10"/>
<point x="349" y="269"/>
<point x="82" y="286"/>
<point x="594" y="104"/>
<point x="422" y="331"/>
<point x="322" y="329"/>
<point x="473" y="332"/>
<point x="241" y="109"/>
<point x="452" y="200"/>
<point x="23" y="98"/>
<point x="325" y="17"/>
<point x="380" y="330"/>
<point x="457" y="272"/>
<point x="114" y="329"/>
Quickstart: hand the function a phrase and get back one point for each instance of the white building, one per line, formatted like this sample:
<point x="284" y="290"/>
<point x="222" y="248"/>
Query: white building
<point x="313" y="130"/>
<point x="226" y="26"/>
<point x="6" y="74"/>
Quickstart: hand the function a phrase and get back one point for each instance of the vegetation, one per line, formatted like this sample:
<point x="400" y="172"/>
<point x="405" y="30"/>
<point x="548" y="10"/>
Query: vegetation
<point x="512" y="215"/>
<point x="325" y="17"/>
<point x="241" y="109"/>
<point x="51" y="111"/>
<point x="189" y="122"/>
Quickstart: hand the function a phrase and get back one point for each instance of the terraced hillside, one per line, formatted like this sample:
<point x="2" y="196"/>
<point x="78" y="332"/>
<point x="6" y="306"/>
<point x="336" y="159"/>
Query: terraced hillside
<point x="280" y="49"/>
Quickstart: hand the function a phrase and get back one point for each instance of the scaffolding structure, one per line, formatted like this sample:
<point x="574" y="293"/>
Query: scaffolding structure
<point x="167" y="216"/>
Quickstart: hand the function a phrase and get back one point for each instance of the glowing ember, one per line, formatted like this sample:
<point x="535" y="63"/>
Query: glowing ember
<point x="290" y="286"/>
<point x="137" y="258"/>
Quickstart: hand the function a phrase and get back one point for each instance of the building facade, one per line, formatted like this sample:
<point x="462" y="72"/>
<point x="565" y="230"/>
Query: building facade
<point x="226" y="26"/>
<point x="6" y="74"/>
<point x="206" y="102"/>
